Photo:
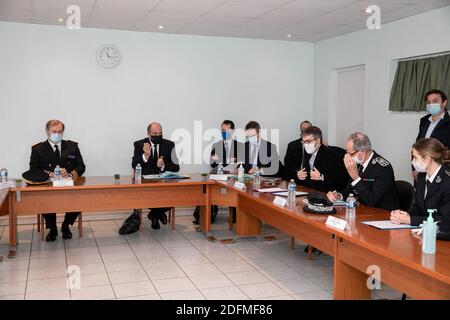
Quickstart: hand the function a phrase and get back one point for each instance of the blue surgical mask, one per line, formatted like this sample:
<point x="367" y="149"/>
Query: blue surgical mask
<point x="55" y="137"/>
<point x="433" y="108"/>
<point x="253" y="139"/>
<point x="226" y="135"/>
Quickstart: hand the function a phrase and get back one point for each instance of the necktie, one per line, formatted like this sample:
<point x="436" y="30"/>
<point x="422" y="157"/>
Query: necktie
<point x="57" y="154"/>
<point x="360" y="169"/>
<point x="427" y="186"/>
<point x="253" y="154"/>
<point x="155" y="153"/>
<point x="227" y="152"/>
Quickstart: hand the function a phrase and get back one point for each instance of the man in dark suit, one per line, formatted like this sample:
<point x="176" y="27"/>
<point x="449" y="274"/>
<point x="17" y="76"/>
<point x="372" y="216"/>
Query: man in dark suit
<point x="155" y="155"/>
<point x="260" y="153"/>
<point x="371" y="176"/>
<point x="223" y="152"/>
<point x="294" y="158"/>
<point x="436" y="124"/>
<point x="323" y="168"/>
<point x="46" y="156"/>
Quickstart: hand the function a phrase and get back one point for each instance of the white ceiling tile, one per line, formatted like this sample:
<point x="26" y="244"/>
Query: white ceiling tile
<point x="318" y="6"/>
<point x="260" y="3"/>
<point x="186" y="7"/>
<point x="233" y="11"/>
<point x="130" y="4"/>
<point x="9" y="5"/>
<point x="156" y="18"/>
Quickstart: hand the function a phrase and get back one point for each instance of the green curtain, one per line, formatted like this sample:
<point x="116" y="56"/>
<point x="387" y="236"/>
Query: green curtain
<point x="414" y="78"/>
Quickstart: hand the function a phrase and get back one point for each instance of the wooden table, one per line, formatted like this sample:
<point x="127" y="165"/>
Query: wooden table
<point x="396" y="253"/>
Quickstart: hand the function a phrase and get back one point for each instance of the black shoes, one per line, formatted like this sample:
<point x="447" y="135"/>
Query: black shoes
<point x="155" y="223"/>
<point x="51" y="236"/>
<point x="312" y="251"/>
<point x="196" y="222"/>
<point x="66" y="234"/>
<point x="163" y="218"/>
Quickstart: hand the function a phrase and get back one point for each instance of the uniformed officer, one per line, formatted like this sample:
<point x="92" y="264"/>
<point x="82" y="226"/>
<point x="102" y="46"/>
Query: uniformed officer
<point x="46" y="156"/>
<point x="432" y="187"/>
<point x="371" y="176"/>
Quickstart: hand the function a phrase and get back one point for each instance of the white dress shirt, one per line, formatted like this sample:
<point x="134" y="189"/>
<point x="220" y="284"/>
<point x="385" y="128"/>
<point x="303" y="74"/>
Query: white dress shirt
<point x="431" y="179"/>
<point x="153" y="146"/>
<point x="433" y="125"/>
<point x="54" y="148"/>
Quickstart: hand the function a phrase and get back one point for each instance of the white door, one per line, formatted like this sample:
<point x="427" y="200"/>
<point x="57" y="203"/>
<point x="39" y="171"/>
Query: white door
<point x="349" y="102"/>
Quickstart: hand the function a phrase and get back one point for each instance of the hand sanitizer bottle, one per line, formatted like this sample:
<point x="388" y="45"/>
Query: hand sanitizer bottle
<point x="241" y="172"/>
<point x="429" y="234"/>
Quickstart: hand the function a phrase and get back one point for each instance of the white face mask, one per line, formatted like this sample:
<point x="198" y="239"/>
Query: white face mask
<point x="419" y="167"/>
<point x="55" y="137"/>
<point x="356" y="159"/>
<point x="253" y="139"/>
<point x="310" y="148"/>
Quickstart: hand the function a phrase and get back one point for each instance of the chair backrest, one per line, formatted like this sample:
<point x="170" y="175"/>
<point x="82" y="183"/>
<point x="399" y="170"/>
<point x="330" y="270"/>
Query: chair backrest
<point x="405" y="192"/>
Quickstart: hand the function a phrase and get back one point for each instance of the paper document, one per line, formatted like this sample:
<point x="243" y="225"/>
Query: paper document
<point x="165" y="175"/>
<point x="285" y="193"/>
<point x="388" y="225"/>
<point x="271" y="190"/>
<point x="339" y="203"/>
<point x="231" y="167"/>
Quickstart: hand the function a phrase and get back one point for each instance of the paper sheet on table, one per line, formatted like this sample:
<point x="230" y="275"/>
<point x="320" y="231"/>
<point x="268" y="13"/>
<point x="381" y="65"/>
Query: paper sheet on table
<point x="271" y="190"/>
<point x="285" y="193"/>
<point x="339" y="203"/>
<point x="165" y="175"/>
<point x="388" y="225"/>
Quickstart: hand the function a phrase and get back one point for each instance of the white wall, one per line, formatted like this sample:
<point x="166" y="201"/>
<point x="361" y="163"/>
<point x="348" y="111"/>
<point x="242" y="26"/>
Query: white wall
<point x="392" y="134"/>
<point x="51" y="72"/>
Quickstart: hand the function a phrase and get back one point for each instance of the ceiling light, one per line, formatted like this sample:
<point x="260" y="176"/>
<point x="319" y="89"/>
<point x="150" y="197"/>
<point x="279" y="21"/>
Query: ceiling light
<point x="60" y="20"/>
<point x="289" y="35"/>
<point x="160" y="27"/>
<point x="369" y="10"/>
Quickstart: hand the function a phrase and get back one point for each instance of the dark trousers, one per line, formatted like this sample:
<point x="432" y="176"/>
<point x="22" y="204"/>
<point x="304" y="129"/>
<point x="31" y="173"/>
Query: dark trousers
<point x="69" y="218"/>
<point x="214" y="211"/>
<point x="157" y="212"/>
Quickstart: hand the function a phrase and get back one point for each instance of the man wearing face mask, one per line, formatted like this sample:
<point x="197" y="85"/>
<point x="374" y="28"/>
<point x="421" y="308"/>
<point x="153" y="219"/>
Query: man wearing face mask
<point x="294" y="158"/>
<point x="323" y="169"/>
<point x="225" y="152"/>
<point x="371" y="176"/>
<point x="437" y="123"/>
<point x="260" y="153"/>
<point x="45" y="156"/>
<point x="155" y="155"/>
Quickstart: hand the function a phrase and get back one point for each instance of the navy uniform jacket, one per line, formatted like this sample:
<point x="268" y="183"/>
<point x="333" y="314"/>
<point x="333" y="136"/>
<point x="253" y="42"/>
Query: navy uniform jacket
<point x="438" y="197"/>
<point x="441" y="132"/>
<point x="43" y="158"/>
<point x="329" y="162"/>
<point x="294" y="159"/>
<point x="377" y="185"/>
<point x="218" y="149"/>
<point x="166" y="150"/>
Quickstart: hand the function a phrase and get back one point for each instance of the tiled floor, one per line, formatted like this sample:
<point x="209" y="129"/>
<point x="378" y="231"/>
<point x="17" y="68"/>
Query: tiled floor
<point x="164" y="264"/>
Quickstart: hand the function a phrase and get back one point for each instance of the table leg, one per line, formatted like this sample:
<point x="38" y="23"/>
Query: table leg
<point x="12" y="228"/>
<point x="246" y="224"/>
<point x="349" y="283"/>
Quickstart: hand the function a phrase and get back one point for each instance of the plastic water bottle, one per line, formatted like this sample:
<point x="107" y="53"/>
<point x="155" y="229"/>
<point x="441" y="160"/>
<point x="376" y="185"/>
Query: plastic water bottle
<point x="429" y="234"/>
<point x="350" y="212"/>
<point x="241" y="172"/>
<point x="220" y="169"/>
<point x="138" y="173"/>
<point x="57" y="172"/>
<point x="3" y="175"/>
<point x="257" y="177"/>
<point x="292" y="187"/>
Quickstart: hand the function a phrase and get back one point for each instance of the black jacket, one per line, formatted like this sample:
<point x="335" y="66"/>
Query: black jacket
<point x="441" y="132"/>
<point x="438" y="197"/>
<point x="43" y="157"/>
<point x="377" y="185"/>
<point x="268" y="158"/>
<point x="218" y="149"/>
<point x="166" y="150"/>
<point x="293" y="160"/>
<point x="329" y="161"/>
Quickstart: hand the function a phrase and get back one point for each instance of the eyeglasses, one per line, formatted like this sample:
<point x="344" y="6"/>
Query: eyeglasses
<point x="308" y="141"/>
<point x="352" y="154"/>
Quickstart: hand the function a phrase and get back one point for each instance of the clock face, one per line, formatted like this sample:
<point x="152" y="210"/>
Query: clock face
<point x="108" y="56"/>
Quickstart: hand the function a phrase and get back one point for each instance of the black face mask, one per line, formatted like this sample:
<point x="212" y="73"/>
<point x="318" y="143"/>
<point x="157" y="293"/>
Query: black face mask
<point x="156" y="139"/>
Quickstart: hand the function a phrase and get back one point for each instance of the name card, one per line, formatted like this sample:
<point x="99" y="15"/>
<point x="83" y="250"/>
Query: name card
<point x="279" y="201"/>
<point x="239" y="185"/>
<point x="336" y="223"/>
<point x="7" y="184"/>
<point x="218" y="177"/>
<point x="63" y="183"/>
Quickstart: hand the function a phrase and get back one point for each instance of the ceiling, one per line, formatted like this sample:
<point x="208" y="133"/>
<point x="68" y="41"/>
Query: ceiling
<point x="294" y="20"/>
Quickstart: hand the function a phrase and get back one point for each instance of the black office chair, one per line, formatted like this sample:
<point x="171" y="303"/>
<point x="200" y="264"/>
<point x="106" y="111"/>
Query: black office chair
<point x="405" y="192"/>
